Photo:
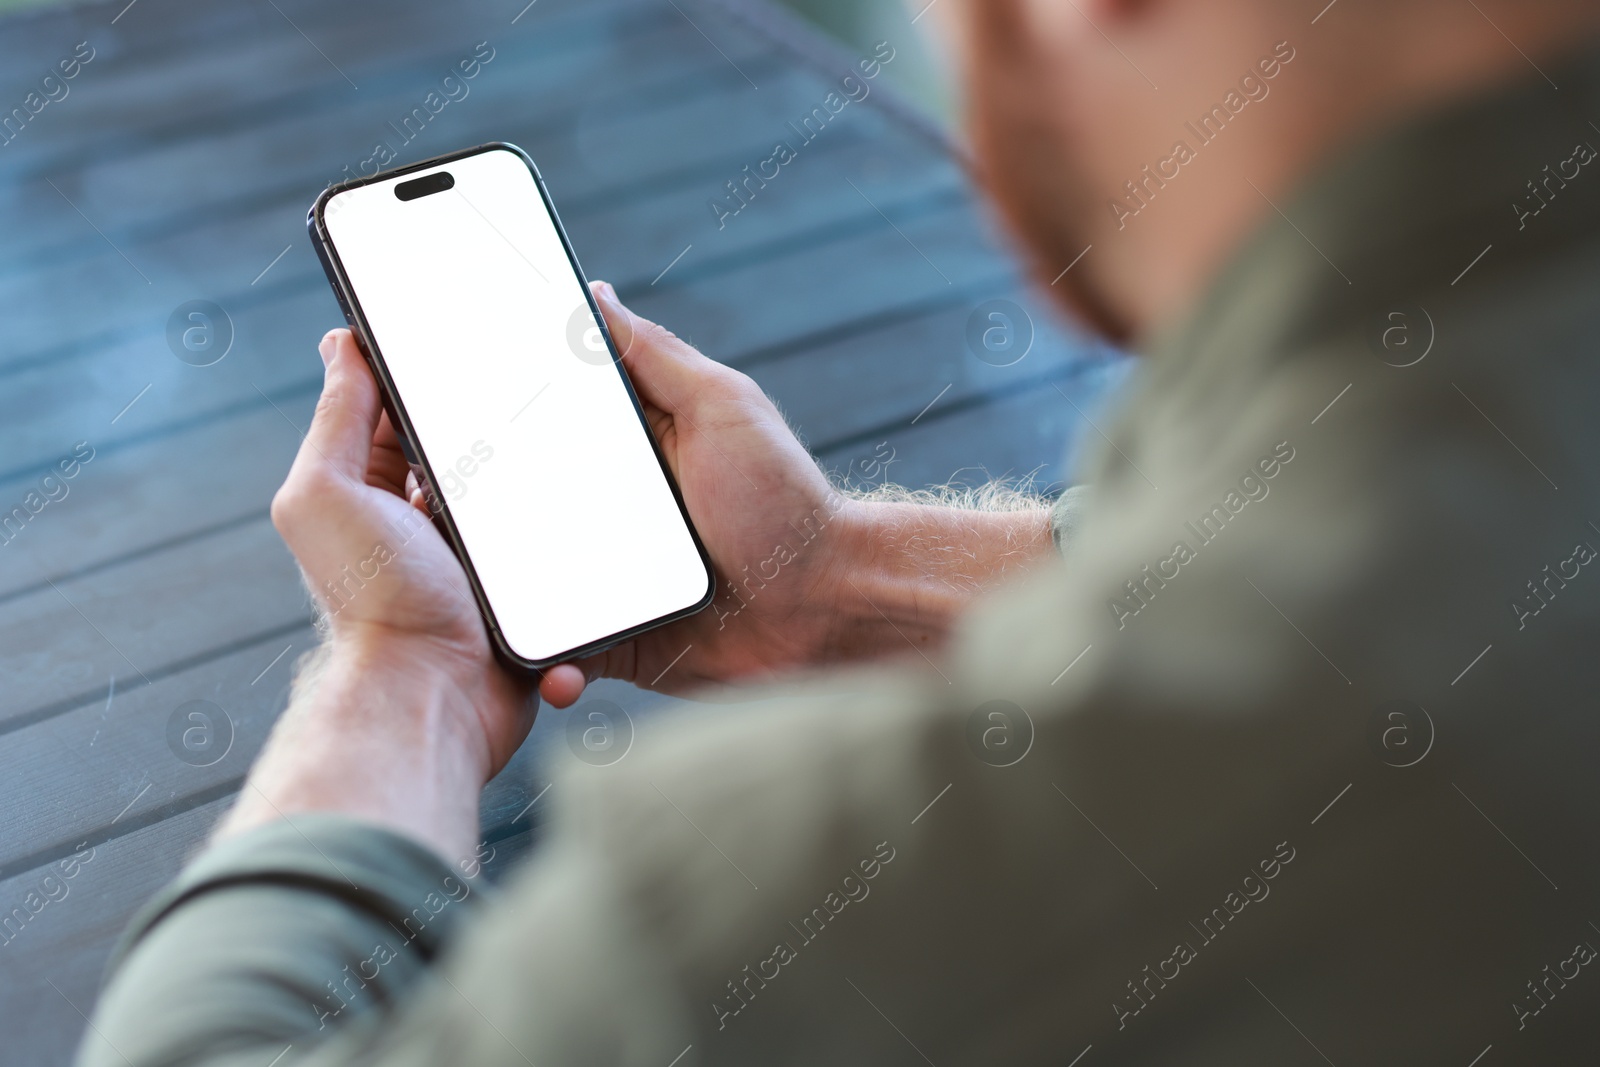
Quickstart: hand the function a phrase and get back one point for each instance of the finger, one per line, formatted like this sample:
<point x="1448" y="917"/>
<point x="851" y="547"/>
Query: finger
<point x="347" y="413"/>
<point x="562" y="685"/>
<point x="616" y="662"/>
<point x="388" y="467"/>
<point x="667" y="371"/>
<point x="415" y="495"/>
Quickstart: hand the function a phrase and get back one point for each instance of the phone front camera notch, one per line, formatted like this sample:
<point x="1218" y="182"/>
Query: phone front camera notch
<point x="428" y="184"/>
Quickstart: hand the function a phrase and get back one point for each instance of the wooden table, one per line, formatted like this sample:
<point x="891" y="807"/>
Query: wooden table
<point x="178" y="167"/>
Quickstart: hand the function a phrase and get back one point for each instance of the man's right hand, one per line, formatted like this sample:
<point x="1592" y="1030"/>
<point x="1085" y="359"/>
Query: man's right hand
<point x="805" y="575"/>
<point x="775" y="528"/>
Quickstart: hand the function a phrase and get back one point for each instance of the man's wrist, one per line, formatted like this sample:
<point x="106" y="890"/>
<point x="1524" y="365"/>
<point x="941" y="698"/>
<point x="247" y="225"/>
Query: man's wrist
<point x="384" y="733"/>
<point x="386" y="690"/>
<point x="904" y="572"/>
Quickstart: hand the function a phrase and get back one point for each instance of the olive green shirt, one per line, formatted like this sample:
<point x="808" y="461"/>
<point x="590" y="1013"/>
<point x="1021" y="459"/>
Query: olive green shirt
<point x="1289" y="760"/>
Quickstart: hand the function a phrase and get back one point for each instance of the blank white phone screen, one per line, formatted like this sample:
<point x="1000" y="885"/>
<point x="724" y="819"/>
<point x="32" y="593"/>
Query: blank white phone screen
<point x="539" y="455"/>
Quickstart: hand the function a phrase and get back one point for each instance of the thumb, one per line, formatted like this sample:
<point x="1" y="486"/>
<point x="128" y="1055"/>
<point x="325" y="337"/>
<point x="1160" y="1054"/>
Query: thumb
<point x="668" y="372"/>
<point x="347" y="412"/>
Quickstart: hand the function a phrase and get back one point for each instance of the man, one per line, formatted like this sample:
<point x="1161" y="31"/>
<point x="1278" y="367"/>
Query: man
<point x="1289" y="760"/>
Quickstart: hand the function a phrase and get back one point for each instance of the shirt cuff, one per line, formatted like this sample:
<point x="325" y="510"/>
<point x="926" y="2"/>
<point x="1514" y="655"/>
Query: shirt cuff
<point x="1067" y="515"/>
<point x="376" y="871"/>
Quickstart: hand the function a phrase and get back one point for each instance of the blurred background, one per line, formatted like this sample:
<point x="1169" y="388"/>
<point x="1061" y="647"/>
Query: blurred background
<point x="160" y="306"/>
<point x="861" y="23"/>
<point x="857" y="23"/>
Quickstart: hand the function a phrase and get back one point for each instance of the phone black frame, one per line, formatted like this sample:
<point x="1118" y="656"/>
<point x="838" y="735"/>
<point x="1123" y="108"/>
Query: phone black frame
<point x="443" y="520"/>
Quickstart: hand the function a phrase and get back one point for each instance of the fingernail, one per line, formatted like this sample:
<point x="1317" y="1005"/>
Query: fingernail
<point x="607" y="293"/>
<point x="325" y="347"/>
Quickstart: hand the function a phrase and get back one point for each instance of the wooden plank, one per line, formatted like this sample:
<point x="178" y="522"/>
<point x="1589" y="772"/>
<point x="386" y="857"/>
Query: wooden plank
<point x="527" y="91"/>
<point x="838" y="391"/>
<point x="812" y="200"/>
<point x="545" y="96"/>
<point x="108" y="767"/>
<point x="40" y="405"/>
<point x="911" y="257"/>
<point x="231" y="253"/>
<point x="162" y="74"/>
<point x="172" y="32"/>
<point x="514" y="803"/>
<point x="60" y="645"/>
<point x="50" y="323"/>
<point x="160" y="191"/>
<point x="1022" y="438"/>
<point x="116" y="397"/>
<point x="148" y="494"/>
<point x="45" y="410"/>
<point x="652" y="228"/>
<point x="70" y="938"/>
<point x="236" y="380"/>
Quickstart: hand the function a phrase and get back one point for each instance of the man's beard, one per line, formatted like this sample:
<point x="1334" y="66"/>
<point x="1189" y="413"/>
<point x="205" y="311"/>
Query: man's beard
<point x="1025" y="162"/>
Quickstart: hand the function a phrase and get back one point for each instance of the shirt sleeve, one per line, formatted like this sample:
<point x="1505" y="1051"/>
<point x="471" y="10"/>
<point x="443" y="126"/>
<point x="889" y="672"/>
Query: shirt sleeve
<point x="1067" y="515"/>
<point x="276" y="938"/>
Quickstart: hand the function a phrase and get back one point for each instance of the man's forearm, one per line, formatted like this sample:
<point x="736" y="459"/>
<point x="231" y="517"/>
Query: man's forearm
<point x="377" y="737"/>
<point x="911" y="569"/>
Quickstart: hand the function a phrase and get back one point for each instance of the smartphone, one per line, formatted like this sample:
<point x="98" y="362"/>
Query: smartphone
<point x="502" y="380"/>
